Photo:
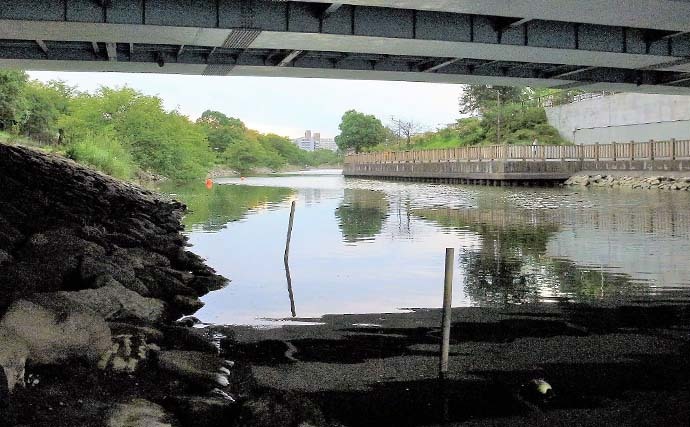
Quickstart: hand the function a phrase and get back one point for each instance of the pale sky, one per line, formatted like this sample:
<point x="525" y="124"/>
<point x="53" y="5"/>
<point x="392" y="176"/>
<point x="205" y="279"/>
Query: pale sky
<point x="286" y="106"/>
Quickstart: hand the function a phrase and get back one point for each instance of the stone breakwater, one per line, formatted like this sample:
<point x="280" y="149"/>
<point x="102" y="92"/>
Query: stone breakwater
<point x="644" y="183"/>
<point x="93" y="274"/>
<point x="64" y="227"/>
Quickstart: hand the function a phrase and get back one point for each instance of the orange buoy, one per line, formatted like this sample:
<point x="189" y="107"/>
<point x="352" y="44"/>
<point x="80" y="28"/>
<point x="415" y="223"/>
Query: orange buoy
<point x="209" y="183"/>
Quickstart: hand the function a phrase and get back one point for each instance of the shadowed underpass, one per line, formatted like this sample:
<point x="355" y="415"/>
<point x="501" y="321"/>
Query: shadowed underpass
<point x="629" y="362"/>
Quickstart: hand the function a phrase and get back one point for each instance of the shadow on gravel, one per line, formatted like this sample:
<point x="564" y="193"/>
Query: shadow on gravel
<point x="414" y="403"/>
<point x="600" y="320"/>
<point x="497" y="394"/>
<point x="647" y="384"/>
<point x="361" y="344"/>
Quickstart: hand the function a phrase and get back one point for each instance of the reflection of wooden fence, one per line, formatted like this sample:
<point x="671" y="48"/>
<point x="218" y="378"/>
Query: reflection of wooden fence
<point x="673" y="220"/>
<point x="651" y="150"/>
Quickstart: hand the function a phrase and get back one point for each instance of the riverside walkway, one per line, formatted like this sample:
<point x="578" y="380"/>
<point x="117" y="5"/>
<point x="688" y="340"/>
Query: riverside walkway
<point x="509" y="165"/>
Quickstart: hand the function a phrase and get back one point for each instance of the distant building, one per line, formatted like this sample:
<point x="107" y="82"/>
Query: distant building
<point x="312" y="142"/>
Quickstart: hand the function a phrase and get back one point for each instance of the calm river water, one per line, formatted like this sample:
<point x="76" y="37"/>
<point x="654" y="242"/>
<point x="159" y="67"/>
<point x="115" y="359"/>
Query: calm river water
<point x="362" y="246"/>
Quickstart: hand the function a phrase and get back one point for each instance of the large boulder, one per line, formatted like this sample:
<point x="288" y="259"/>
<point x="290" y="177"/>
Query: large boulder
<point x="115" y="302"/>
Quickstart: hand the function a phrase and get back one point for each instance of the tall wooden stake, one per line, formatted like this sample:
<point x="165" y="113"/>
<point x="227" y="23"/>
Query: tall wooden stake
<point x="289" y="232"/>
<point x="447" y="302"/>
<point x="286" y="258"/>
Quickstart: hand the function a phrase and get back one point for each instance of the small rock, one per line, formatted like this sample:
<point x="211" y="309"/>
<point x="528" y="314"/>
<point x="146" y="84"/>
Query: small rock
<point x="200" y="368"/>
<point x="4" y="257"/>
<point x="188" y="321"/>
<point x="204" y="410"/>
<point x="187" y="304"/>
<point x="182" y="338"/>
<point x="138" y="413"/>
<point x="537" y="390"/>
<point x="150" y="334"/>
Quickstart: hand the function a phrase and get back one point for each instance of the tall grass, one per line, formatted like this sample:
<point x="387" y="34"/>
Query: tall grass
<point x="103" y="153"/>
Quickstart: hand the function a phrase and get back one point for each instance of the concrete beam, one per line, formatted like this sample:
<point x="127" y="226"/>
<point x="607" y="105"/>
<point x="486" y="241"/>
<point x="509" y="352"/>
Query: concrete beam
<point x="111" y="50"/>
<point x="331" y="9"/>
<point x="43" y="46"/>
<point x="443" y="64"/>
<point x="289" y="58"/>
<point x="353" y="29"/>
<point x="658" y="14"/>
<point x="573" y="72"/>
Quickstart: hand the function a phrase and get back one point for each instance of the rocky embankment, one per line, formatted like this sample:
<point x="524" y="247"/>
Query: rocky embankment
<point x="94" y="273"/>
<point x="640" y="182"/>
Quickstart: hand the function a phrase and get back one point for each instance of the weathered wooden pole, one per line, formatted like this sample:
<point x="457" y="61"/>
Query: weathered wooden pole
<point x="286" y="258"/>
<point x="289" y="232"/>
<point x="447" y="302"/>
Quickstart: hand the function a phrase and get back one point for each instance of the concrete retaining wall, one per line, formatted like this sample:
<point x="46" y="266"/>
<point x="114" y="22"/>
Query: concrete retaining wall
<point x="515" y="170"/>
<point x="623" y="117"/>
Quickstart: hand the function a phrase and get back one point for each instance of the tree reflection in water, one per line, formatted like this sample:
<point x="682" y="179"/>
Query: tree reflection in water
<point x="211" y="209"/>
<point x="361" y="214"/>
<point x="511" y="266"/>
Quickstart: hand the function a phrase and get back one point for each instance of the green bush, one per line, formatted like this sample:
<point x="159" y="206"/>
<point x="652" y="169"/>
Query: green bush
<point x="103" y="153"/>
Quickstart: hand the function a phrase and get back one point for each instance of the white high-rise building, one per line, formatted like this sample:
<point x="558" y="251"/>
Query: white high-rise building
<point x="312" y="142"/>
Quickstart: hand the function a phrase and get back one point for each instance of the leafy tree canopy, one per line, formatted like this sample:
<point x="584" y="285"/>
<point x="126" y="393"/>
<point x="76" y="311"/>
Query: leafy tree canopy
<point x="358" y="130"/>
<point x="478" y="98"/>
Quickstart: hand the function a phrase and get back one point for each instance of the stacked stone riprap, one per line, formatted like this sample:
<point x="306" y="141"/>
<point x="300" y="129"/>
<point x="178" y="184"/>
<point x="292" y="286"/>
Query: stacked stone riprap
<point x="641" y="182"/>
<point x="64" y="227"/>
<point x="93" y="272"/>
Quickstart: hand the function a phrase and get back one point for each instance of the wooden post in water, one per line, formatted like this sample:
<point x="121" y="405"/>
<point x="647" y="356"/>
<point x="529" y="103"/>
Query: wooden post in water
<point x="289" y="232"/>
<point x="447" y="302"/>
<point x="286" y="258"/>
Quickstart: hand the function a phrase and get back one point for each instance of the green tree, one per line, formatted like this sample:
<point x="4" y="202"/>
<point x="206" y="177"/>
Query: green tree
<point x="46" y="103"/>
<point x="285" y="149"/>
<point x="162" y="142"/>
<point x="477" y="98"/>
<point x="222" y="131"/>
<point x="358" y="131"/>
<point x="12" y="102"/>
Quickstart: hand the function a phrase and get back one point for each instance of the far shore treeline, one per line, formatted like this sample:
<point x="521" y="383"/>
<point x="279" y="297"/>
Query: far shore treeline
<point x="129" y="135"/>
<point x="492" y="116"/>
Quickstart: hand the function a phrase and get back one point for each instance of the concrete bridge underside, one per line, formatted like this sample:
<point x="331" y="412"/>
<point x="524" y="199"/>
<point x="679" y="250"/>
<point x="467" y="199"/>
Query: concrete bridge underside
<point x="641" y="45"/>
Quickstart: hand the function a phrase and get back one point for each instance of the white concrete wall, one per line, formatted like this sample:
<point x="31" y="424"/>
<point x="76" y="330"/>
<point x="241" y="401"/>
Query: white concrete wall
<point x="623" y="117"/>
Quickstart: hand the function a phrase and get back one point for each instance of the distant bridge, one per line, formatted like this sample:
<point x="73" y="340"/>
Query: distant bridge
<point x="521" y="164"/>
<point x="641" y="45"/>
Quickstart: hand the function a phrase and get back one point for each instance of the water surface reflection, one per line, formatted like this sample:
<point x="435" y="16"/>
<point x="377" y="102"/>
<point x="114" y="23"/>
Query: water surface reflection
<point x="364" y="246"/>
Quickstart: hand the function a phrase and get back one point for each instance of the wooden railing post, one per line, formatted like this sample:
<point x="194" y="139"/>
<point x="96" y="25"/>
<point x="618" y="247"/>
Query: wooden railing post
<point x="505" y="152"/>
<point x="651" y="149"/>
<point x="673" y="148"/>
<point x="631" y="144"/>
<point x="613" y="147"/>
<point x="596" y="151"/>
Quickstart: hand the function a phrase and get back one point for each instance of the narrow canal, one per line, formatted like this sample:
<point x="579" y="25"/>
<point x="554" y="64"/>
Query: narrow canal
<point x="362" y="246"/>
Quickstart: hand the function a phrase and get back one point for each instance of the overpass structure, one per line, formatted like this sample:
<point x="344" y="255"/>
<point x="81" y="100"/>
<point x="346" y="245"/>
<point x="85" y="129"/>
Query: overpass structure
<point x="619" y="45"/>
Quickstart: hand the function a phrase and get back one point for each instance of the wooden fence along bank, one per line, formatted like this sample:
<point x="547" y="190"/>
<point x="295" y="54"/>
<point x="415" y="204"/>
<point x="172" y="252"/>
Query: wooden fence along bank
<point x="523" y="164"/>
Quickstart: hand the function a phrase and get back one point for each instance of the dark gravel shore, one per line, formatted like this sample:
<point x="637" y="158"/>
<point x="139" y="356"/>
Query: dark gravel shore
<point x="608" y="365"/>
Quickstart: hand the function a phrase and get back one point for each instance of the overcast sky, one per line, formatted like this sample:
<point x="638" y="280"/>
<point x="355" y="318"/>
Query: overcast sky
<point x="281" y="105"/>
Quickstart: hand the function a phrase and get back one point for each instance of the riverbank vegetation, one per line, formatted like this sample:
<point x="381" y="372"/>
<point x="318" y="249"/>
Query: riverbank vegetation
<point x="129" y="135"/>
<point x="493" y="116"/>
